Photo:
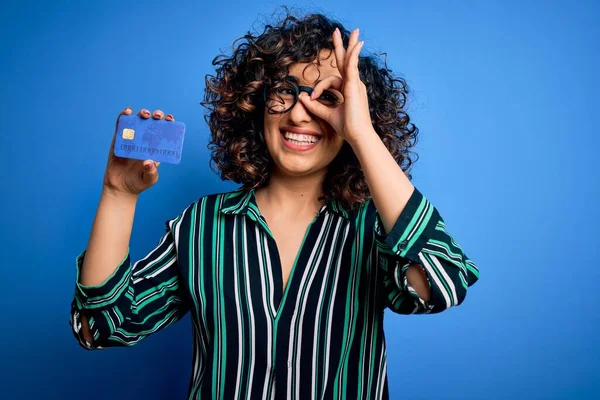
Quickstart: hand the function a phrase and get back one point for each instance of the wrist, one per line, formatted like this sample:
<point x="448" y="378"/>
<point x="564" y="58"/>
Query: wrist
<point x="363" y="139"/>
<point x="119" y="196"/>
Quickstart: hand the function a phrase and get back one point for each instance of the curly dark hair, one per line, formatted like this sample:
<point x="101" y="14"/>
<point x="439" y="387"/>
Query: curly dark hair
<point x="236" y="116"/>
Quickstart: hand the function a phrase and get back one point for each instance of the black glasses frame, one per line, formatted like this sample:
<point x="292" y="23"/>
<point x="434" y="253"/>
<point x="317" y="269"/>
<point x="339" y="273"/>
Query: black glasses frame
<point x="297" y="90"/>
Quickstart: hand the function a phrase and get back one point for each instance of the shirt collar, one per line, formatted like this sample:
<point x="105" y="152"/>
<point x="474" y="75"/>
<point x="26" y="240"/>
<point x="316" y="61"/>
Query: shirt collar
<point x="237" y="202"/>
<point x="243" y="201"/>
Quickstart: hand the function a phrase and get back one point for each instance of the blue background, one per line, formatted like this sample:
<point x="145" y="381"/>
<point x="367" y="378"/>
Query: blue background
<point x="504" y="93"/>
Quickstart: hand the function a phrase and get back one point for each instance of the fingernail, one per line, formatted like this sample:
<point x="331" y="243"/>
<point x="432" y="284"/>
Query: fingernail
<point x="149" y="167"/>
<point x="169" y="116"/>
<point x="337" y="31"/>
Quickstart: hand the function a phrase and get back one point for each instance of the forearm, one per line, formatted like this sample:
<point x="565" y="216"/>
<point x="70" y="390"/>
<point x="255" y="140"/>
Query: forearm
<point x="109" y="238"/>
<point x="390" y="188"/>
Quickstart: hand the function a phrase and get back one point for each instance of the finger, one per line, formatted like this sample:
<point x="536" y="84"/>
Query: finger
<point x="331" y="82"/>
<point x="144" y="113"/>
<point x="149" y="165"/>
<point x="150" y="174"/>
<point x="352" y="73"/>
<point x="351" y="43"/>
<point x="340" y="52"/>
<point x="169" y="117"/>
<point x="158" y="114"/>
<point x="126" y="111"/>
<point x="316" y="108"/>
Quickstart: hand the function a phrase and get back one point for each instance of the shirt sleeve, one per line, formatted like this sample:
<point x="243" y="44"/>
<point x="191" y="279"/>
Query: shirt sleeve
<point x="419" y="236"/>
<point x="134" y="302"/>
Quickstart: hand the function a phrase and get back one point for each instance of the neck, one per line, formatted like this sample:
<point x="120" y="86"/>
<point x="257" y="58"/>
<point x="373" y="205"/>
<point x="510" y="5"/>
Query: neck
<point x="291" y="196"/>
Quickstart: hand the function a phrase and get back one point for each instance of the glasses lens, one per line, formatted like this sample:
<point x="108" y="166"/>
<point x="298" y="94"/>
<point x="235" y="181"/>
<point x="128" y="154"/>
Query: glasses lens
<point x="281" y="97"/>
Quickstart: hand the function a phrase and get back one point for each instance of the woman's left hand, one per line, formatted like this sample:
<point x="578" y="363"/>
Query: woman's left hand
<point x="351" y="119"/>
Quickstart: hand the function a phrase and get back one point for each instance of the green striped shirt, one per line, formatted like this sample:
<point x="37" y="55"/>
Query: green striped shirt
<point x="322" y="337"/>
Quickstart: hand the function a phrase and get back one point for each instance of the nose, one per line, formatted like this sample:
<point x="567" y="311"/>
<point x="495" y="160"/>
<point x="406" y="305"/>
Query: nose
<point x="299" y="113"/>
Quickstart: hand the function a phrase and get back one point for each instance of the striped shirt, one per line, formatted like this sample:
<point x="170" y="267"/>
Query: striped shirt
<point x="320" y="338"/>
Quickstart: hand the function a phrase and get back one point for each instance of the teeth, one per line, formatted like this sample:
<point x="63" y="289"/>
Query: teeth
<point x="296" y="137"/>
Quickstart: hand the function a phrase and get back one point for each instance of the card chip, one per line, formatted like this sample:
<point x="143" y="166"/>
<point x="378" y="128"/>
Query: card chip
<point x="128" y="134"/>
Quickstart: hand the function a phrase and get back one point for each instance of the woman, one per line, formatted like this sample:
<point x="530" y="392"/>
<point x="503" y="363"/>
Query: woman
<point x="287" y="278"/>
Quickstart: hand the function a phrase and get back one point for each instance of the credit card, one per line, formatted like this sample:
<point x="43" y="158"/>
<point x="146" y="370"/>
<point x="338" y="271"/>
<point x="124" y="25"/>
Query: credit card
<point x="149" y="139"/>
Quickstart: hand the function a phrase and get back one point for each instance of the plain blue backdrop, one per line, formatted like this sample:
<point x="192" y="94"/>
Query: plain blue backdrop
<point x="506" y="98"/>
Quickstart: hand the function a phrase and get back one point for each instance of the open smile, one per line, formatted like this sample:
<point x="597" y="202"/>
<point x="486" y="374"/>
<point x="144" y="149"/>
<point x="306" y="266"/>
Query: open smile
<point x="300" y="139"/>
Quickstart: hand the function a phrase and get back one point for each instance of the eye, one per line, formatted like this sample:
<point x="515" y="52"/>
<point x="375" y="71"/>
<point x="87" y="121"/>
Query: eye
<point x="330" y="98"/>
<point x="285" y="91"/>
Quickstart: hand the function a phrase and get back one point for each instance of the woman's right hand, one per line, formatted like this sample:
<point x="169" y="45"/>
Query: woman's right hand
<point x="127" y="176"/>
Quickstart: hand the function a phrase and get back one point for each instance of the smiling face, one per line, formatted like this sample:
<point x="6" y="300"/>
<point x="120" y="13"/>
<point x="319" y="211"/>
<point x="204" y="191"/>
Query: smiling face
<point x="299" y="143"/>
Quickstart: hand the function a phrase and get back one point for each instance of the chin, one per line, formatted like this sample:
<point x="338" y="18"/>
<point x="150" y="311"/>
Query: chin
<point x="298" y="168"/>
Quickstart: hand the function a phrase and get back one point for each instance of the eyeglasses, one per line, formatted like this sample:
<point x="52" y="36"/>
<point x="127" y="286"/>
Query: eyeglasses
<point x="283" y="96"/>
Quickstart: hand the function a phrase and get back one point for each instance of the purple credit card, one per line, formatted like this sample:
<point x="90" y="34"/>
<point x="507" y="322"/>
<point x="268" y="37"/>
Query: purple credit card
<point x="149" y="139"/>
